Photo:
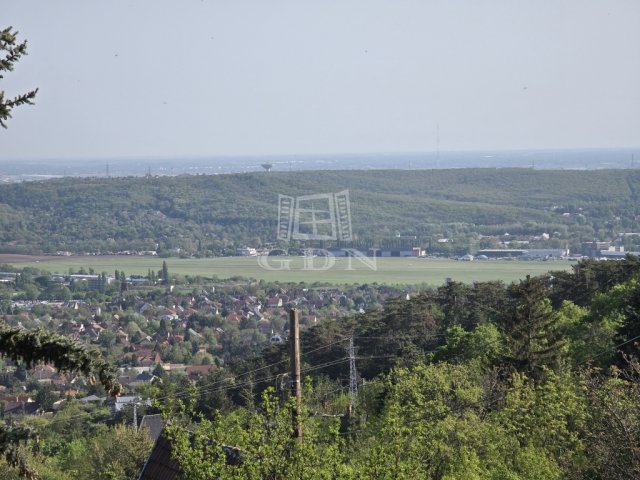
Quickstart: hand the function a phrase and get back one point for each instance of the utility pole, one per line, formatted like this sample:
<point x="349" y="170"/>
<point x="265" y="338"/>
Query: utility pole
<point x="353" y="376"/>
<point x="135" y="414"/>
<point x="296" y="387"/>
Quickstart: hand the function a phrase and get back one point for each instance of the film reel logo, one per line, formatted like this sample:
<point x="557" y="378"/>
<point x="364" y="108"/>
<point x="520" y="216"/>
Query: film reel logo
<point x="324" y="216"/>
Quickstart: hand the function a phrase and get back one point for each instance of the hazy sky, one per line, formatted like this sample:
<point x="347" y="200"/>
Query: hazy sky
<point x="213" y="77"/>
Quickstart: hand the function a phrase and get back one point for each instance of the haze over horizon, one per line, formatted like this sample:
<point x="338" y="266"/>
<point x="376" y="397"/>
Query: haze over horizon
<point x="149" y="79"/>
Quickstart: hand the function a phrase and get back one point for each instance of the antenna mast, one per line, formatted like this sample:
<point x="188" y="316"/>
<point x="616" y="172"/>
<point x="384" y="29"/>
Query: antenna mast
<point x="437" y="144"/>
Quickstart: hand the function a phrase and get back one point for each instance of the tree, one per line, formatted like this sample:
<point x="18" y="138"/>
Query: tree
<point x="123" y="282"/>
<point x="613" y="436"/>
<point x="119" y="454"/>
<point x="165" y="273"/>
<point x="629" y="332"/>
<point x="11" y="438"/>
<point x="12" y="51"/>
<point x="531" y="328"/>
<point x="257" y="444"/>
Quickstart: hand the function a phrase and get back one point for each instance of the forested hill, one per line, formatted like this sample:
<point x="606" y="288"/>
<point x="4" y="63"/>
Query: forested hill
<point x="213" y="214"/>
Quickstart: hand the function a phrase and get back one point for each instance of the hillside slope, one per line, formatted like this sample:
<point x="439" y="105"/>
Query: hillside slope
<point x="216" y="213"/>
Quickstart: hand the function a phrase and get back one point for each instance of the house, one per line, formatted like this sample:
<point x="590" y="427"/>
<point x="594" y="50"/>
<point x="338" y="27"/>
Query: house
<point x="16" y="398"/>
<point x="274" y="302"/>
<point x="196" y="371"/>
<point x="146" y="358"/>
<point x="162" y="466"/>
<point x="142" y="378"/>
<point x="20" y="408"/>
<point x="234" y="317"/>
<point x="276" y="338"/>
<point x="154" y="424"/>
<point x="246" y="252"/>
<point x="18" y="405"/>
<point x="121" y="402"/>
<point x="92" y="399"/>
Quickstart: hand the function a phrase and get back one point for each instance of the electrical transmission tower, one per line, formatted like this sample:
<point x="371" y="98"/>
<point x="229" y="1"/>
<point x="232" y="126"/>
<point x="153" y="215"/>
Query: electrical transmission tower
<point x="353" y="376"/>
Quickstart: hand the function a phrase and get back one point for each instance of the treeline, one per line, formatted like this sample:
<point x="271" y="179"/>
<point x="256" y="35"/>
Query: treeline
<point x="537" y="379"/>
<point x="212" y="215"/>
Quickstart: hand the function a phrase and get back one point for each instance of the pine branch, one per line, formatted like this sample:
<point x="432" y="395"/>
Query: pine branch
<point x="13" y="53"/>
<point x="66" y="355"/>
<point x="26" y="98"/>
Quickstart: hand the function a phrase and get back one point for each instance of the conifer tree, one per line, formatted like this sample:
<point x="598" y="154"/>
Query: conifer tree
<point x="31" y="347"/>
<point x="165" y="273"/>
<point x="10" y="52"/>
<point x="531" y="328"/>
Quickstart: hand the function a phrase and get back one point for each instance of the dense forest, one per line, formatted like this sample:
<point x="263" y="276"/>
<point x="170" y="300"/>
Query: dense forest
<point x="214" y="214"/>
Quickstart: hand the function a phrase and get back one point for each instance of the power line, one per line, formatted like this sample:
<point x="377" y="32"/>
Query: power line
<point x="208" y="388"/>
<point x="200" y="391"/>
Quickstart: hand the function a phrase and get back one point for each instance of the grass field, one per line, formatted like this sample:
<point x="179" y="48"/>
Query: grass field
<point x="386" y="270"/>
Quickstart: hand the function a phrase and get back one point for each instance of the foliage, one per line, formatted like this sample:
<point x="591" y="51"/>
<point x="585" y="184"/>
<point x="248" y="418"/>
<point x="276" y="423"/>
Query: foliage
<point x="212" y="214"/>
<point x="65" y="354"/>
<point x="11" y="440"/>
<point x="613" y="434"/>
<point x="11" y="52"/>
<point x="531" y="328"/>
<point x="116" y="453"/>
<point x="31" y="347"/>
<point x="256" y="445"/>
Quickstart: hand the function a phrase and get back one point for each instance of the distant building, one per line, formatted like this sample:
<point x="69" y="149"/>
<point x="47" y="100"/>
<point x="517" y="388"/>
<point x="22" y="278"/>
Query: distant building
<point x="593" y="249"/>
<point x="545" y="253"/>
<point x="525" y="254"/>
<point x="246" y="252"/>
<point x="501" y="252"/>
<point x="606" y="249"/>
<point x="94" y="282"/>
<point x="414" y="252"/>
<point x="8" y="277"/>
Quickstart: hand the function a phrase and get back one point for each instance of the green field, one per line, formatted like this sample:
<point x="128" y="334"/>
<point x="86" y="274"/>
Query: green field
<point x="386" y="270"/>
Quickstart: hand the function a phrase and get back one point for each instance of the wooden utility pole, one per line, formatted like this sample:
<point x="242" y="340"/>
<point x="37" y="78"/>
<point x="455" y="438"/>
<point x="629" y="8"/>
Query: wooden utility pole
<point x="296" y="387"/>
